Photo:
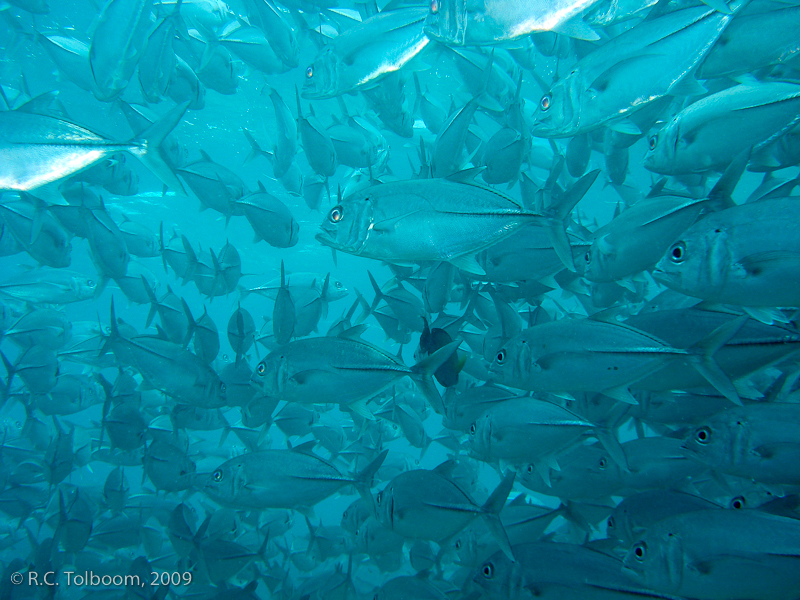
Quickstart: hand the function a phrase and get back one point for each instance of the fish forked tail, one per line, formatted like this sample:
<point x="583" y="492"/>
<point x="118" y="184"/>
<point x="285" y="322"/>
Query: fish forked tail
<point x="422" y="374"/>
<point x="491" y="513"/>
<point x="362" y="480"/>
<point x="147" y="148"/>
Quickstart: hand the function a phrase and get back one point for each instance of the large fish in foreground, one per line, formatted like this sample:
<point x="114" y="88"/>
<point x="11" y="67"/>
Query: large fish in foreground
<point x="363" y="55"/>
<point x="712" y="132"/>
<point x="648" y="62"/>
<point x="747" y="255"/>
<point x="464" y="23"/>
<point x="39" y="149"/>
<point x="434" y="220"/>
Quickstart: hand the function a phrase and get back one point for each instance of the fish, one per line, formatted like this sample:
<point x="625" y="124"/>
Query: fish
<point x="742" y="255"/>
<point x="282" y="479"/>
<point x="664" y="558"/>
<point x="41" y="149"/>
<point x="698" y="138"/>
<point x="344" y="370"/>
<point x="558" y="356"/>
<point x="461" y="23"/>
<point x="366" y="53"/>
<point x="609" y="85"/>
<point x="437" y="220"/>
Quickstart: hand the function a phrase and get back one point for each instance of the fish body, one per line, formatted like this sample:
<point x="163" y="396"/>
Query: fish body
<point x="745" y="255"/>
<point x="424" y="220"/>
<point x="463" y="23"/>
<point x="367" y="53"/>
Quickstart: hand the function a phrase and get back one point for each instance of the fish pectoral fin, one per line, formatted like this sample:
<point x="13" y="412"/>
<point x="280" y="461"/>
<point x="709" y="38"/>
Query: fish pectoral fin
<point x="360" y="408"/>
<point x="307" y="377"/>
<point x="578" y="29"/>
<point x="688" y="86"/>
<point x="768" y="316"/>
<point x="621" y="393"/>
<point x="757" y="264"/>
<point x="625" y="126"/>
<point x="388" y="225"/>
<point x="467" y="263"/>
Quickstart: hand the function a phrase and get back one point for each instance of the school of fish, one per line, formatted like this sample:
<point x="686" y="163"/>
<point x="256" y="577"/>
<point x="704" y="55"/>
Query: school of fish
<point x="399" y="299"/>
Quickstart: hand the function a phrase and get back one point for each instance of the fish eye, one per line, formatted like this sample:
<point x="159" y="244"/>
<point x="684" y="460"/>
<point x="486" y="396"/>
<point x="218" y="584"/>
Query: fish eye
<point x="640" y="551"/>
<point x="677" y="253"/>
<point x="222" y="387"/>
<point x="603" y="462"/>
<point x="703" y="435"/>
<point x="588" y="257"/>
<point x="472" y="429"/>
<point x="435" y="6"/>
<point x="738" y="503"/>
<point x="530" y="470"/>
<point x="379" y="499"/>
<point x="217" y="476"/>
<point x="260" y="369"/>
<point x="545" y="102"/>
<point x="612" y="524"/>
<point x="90" y="283"/>
<point x="336" y="214"/>
<point x="309" y="72"/>
<point x="338" y="285"/>
<point x="458" y="542"/>
<point x="501" y="357"/>
<point x="488" y="570"/>
<point x="653" y="142"/>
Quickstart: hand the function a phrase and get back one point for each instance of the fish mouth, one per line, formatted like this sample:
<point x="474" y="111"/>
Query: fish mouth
<point x="325" y="239"/>
<point x="665" y="278"/>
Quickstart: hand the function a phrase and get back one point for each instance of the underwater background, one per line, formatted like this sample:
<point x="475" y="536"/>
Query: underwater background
<point x="459" y="299"/>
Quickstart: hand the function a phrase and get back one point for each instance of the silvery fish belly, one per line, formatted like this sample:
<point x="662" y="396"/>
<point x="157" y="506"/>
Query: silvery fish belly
<point x="361" y="56"/>
<point x="746" y="255"/>
<point x="421" y="220"/>
<point x="38" y="149"/>
<point x="467" y="23"/>
<point x="627" y="73"/>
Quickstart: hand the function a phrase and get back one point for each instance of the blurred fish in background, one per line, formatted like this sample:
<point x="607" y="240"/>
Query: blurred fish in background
<point x="400" y="299"/>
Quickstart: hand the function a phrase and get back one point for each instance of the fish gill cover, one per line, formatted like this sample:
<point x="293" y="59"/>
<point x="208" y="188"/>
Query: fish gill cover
<point x="459" y="299"/>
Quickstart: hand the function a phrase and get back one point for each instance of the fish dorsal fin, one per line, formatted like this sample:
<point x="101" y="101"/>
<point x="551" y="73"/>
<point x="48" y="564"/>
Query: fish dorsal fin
<point x="353" y="333"/>
<point x="304" y="448"/>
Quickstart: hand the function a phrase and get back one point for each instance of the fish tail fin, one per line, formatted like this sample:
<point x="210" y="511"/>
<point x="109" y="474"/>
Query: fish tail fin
<point x="378" y="294"/>
<point x="560" y="212"/>
<point x="10" y="371"/>
<point x="192" y="323"/>
<point x="363" y="479"/>
<point x="161" y="245"/>
<point x="324" y="296"/>
<point x="701" y="357"/>
<point x="192" y="258"/>
<point x="114" y="334"/>
<point x="151" y="295"/>
<point x="147" y="148"/>
<point x="491" y="511"/>
<point x="422" y="374"/>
